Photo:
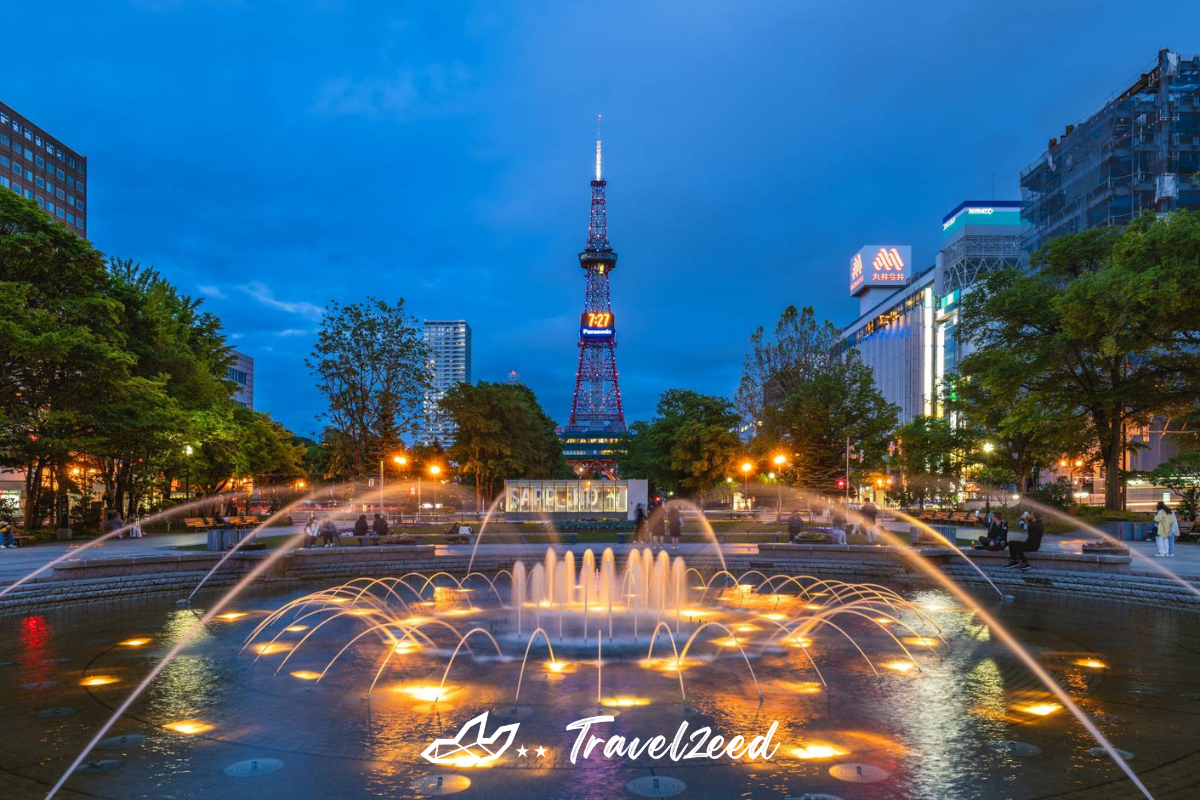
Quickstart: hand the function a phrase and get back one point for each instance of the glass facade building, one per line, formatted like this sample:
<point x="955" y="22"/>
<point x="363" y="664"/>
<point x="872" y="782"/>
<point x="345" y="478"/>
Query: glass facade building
<point x="241" y="372"/>
<point x="449" y="343"/>
<point x="39" y="167"/>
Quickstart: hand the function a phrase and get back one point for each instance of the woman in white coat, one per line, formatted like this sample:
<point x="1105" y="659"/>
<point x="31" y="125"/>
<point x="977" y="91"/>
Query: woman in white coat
<point x="1166" y="527"/>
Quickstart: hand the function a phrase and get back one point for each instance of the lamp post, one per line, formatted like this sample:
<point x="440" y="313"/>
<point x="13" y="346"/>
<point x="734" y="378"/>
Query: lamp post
<point x="780" y="460"/>
<point x="747" y="467"/>
<point x="187" y="473"/>
<point x="988" y="447"/>
<point x="401" y="462"/>
<point x="435" y="470"/>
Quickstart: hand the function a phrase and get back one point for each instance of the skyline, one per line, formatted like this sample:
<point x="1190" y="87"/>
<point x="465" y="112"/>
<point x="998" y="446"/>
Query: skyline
<point x="420" y="156"/>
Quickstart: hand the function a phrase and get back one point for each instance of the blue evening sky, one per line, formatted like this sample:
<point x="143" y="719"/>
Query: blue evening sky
<point x="272" y="155"/>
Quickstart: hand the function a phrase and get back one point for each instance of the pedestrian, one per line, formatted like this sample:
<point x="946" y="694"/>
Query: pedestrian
<point x="329" y="533"/>
<point x="361" y="526"/>
<point x="996" y="537"/>
<point x="379" y="526"/>
<point x="639" y="523"/>
<point x="674" y="525"/>
<point x="6" y="531"/>
<point x="1028" y="540"/>
<point x="1165" y="523"/>
<point x="310" y="532"/>
<point x="657" y="526"/>
<point x="839" y="522"/>
<point x="869" y="513"/>
<point x="794" y="526"/>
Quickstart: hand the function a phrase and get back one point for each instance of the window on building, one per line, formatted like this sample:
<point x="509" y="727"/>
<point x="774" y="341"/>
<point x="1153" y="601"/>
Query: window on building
<point x="28" y="154"/>
<point x="28" y="174"/>
<point x="50" y="187"/>
<point x="4" y="139"/>
<point x="50" y="206"/>
<point x="70" y="218"/>
<point x="60" y="212"/>
<point x="41" y="201"/>
<point x="28" y="134"/>
<point x="41" y="184"/>
<point x="59" y="193"/>
<point x="4" y="182"/>
<point x="41" y="162"/>
<point x="61" y="175"/>
<point x="79" y="204"/>
<point x="3" y="161"/>
<point x="3" y="118"/>
<point x="79" y="185"/>
<point x="37" y="140"/>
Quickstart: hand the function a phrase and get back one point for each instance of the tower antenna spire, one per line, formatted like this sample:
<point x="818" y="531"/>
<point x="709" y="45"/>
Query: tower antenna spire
<point x="598" y="117"/>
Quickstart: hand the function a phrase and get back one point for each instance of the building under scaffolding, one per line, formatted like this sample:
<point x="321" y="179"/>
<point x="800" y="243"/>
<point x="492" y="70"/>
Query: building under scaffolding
<point x="1139" y="153"/>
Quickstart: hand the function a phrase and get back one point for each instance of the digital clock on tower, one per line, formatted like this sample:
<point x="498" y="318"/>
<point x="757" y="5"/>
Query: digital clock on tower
<point x="597" y="325"/>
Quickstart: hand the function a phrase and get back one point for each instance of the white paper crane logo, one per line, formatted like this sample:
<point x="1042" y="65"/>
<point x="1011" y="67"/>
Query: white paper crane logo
<point x="471" y="747"/>
<point x="888" y="260"/>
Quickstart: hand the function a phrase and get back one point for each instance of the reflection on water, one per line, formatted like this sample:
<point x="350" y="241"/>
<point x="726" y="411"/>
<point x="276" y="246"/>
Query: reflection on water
<point x="954" y="719"/>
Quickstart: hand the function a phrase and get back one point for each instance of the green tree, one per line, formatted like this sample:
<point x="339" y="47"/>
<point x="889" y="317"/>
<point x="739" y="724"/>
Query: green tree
<point x="502" y="432"/>
<point x="930" y="453"/>
<point x="1106" y="326"/>
<point x="1026" y="432"/>
<point x="687" y="448"/>
<point x="804" y="391"/>
<point x="61" y="351"/>
<point x="1181" y="474"/>
<point x="371" y="364"/>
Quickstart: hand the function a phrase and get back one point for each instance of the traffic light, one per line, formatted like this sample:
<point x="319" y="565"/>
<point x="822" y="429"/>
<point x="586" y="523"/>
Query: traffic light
<point x="841" y="483"/>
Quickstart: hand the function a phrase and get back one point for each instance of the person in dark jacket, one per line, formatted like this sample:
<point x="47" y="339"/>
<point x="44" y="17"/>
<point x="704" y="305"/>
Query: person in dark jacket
<point x="361" y="526"/>
<point x="996" y="537"/>
<point x="379" y="526"/>
<point x="795" y="525"/>
<point x="639" y="523"/>
<point x="1035" y="529"/>
<point x="674" y="526"/>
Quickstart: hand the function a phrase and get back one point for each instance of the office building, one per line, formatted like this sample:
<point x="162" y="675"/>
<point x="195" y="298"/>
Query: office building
<point x="1138" y="154"/>
<point x="40" y="167"/>
<point x="907" y="331"/>
<point x="241" y="372"/>
<point x="978" y="237"/>
<point x="449" y="343"/>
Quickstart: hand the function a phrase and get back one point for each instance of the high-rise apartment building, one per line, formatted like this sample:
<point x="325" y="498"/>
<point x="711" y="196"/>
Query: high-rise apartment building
<point x="449" y="343"/>
<point x="40" y="167"/>
<point x="1139" y="153"/>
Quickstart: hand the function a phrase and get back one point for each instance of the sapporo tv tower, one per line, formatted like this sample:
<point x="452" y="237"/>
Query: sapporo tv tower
<point x="597" y="425"/>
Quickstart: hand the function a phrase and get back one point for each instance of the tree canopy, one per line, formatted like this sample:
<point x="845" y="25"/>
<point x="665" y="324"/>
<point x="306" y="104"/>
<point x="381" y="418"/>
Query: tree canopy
<point x="1105" y="329"/>
<point x="371" y="363"/>
<point x="502" y="432"/>
<point x="805" y="392"/>
<point x="687" y="448"/>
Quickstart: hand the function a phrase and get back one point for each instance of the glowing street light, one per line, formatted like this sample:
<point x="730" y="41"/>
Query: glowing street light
<point x="779" y="460"/>
<point x="747" y="468"/>
<point x="988" y="447"/>
<point x="435" y="471"/>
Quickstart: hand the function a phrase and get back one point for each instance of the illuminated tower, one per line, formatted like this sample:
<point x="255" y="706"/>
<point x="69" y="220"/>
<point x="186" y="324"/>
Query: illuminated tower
<point x="597" y="423"/>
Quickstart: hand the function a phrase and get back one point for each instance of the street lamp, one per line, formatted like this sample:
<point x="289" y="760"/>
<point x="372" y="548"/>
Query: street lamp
<point x="747" y="467"/>
<point x="435" y="470"/>
<point x="779" y="461"/>
<point x="187" y="479"/>
<point x="401" y="462"/>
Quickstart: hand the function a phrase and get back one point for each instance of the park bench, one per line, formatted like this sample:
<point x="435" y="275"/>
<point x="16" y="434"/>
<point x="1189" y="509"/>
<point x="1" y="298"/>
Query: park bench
<point x="1187" y="531"/>
<point x="19" y="539"/>
<point x="196" y="524"/>
<point x="243" y="522"/>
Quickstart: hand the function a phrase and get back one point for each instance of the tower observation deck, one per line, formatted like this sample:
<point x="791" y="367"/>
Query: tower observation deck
<point x="597" y="426"/>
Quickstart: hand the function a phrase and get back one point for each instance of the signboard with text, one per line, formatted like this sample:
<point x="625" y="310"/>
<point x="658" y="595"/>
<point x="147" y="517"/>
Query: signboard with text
<point x="880" y="265"/>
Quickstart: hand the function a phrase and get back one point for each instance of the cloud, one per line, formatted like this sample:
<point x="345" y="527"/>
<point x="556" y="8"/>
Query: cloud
<point x="263" y="294"/>
<point x="212" y="291"/>
<point x="293" y="332"/>
<point x="432" y="91"/>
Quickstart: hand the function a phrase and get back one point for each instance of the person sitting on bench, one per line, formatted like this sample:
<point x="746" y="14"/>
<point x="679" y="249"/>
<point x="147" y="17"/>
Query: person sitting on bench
<point x="379" y="526"/>
<point x="361" y="526"/>
<point x="1027" y="541"/>
<point x="996" y="537"/>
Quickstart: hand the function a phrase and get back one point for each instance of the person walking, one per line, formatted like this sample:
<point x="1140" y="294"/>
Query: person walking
<point x="639" y="523"/>
<point x="1165" y="522"/>
<point x="794" y="526"/>
<point x="674" y="526"/>
<point x="657" y="526"/>
<point x="869" y="513"/>
<point x="1025" y="541"/>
